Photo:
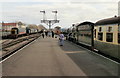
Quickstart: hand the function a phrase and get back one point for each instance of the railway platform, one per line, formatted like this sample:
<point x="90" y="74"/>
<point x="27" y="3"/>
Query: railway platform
<point x="44" y="57"/>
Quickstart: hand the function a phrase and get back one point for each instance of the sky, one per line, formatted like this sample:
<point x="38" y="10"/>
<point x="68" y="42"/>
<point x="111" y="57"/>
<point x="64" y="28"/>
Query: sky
<point x="69" y="11"/>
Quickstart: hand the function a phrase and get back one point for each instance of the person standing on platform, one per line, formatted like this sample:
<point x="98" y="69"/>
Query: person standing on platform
<point x="49" y="33"/>
<point x="43" y="34"/>
<point x="61" y="39"/>
<point x="46" y="33"/>
<point x="52" y="34"/>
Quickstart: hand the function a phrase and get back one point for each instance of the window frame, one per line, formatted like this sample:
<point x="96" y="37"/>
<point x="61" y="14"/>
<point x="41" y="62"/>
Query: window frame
<point x="107" y="37"/>
<point x="101" y="39"/>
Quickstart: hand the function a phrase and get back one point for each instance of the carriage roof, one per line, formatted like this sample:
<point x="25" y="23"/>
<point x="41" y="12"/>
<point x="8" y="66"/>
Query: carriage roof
<point x="113" y="20"/>
<point x="86" y="23"/>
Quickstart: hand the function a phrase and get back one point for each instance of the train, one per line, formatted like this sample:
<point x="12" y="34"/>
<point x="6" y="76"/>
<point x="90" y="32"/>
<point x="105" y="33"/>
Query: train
<point x="102" y="36"/>
<point x="21" y="30"/>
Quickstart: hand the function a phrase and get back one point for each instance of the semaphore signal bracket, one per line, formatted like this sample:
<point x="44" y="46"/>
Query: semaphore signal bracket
<point x="49" y="22"/>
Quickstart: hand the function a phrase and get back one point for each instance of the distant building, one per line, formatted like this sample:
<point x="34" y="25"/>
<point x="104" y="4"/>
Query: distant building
<point x="8" y="26"/>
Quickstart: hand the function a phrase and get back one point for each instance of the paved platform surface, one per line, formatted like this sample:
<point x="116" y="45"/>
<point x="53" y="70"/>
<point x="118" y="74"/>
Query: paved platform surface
<point x="44" y="57"/>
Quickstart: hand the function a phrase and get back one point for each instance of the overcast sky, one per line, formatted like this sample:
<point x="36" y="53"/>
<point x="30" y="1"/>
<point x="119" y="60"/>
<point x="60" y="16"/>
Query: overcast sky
<point x="69" y="11"/>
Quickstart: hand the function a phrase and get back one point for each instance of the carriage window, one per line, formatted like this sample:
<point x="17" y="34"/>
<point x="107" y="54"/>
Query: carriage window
<point x="100" y="36"/>
<point x="109" y="37"/>
<point x="13" y="31"/>
<point x="118" y="38"/>
<point x="100" y="29"/>
<point x="109" y="29"/>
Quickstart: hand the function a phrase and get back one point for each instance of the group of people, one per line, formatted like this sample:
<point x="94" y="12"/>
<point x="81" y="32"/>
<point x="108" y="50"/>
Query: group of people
<point x="52" y="34"/>
<point x="47" y="34"/>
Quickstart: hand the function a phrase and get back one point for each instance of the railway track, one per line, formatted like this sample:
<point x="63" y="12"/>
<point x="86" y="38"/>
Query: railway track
<point x="11" y="46"/>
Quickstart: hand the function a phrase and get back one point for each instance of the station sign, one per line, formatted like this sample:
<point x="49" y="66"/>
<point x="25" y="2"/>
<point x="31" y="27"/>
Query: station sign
<point x="84" y="27"/>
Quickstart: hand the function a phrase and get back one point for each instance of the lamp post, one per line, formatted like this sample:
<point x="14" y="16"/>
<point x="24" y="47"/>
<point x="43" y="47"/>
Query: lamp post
<point x="49" y="22"/>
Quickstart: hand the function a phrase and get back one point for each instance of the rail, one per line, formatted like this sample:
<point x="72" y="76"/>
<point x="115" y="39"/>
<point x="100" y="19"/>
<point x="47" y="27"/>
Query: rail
<point x="10" y="46"/>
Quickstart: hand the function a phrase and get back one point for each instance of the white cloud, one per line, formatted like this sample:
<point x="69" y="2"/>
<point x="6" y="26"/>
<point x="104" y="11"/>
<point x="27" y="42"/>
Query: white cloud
<point x="68" y="12"/>
<point x="59" y="0"/>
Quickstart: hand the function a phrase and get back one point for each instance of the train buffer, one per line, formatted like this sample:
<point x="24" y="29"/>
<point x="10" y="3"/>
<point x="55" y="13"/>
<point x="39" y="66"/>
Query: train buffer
<point x="44" y="57"/>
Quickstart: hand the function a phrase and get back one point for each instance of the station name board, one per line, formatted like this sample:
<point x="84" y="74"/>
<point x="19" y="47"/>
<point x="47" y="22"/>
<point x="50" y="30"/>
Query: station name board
<point x="84" y="27"/>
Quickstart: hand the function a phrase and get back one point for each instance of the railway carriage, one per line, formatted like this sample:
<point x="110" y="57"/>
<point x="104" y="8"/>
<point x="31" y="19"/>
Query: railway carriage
<point x="85" y="34"/>
<point x="72" y="33"/>
<point x="69" y="31"/>
<point x="22" y="31"/>
<point x="102" y="36"/>
<point x="107" y="36"/>
<point x="14" y="30"/>
<point x="17" y="32"/>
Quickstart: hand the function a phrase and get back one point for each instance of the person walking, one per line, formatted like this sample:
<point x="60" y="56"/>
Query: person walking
<point x="43" y="34"/>
<point x="49" y="33"/>
<point x="52" y="34"/>
<point x="46" y="33"/>
<point x="61" y="39"/>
